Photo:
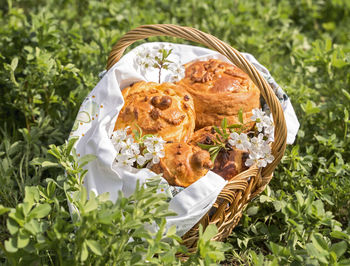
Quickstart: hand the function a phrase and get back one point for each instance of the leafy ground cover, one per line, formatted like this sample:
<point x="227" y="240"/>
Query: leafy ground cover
<point x="50" y="55"/>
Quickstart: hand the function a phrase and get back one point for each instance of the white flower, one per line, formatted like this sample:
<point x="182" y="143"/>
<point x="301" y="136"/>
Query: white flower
<point x="118" y="138"/>
<point x="269" y="158"/>
<point x="124" y="161"/>
<point x="257" y="114"/>
<point x="253" y="159"/>
<point x="267" y="121"/>
<point x="163" y="46"/>
<point x="265" y="160"/>
<point x="269" y="128"/>
<point x="140" y="159"/>
<point x="119" y="135"/>
<point x="264" y="123"/>
<point x="240" y="141"/>
<point x="261" y="163"/>
<point x="129" y="147"/>
<point x="256" y="145"/>
<point x="154" y="156"/>
<point x="118" y="146"/>
<point x="144" y="59"/>
<point x="178" y="72"/>
<point x="259" y="152"/>
<point x="154" y="143"/>
<point x="265" y="148"/>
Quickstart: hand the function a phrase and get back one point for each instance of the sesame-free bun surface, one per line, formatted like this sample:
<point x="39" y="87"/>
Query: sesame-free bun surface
<point x="219" y="91"/>
<point x="165" y="110"/>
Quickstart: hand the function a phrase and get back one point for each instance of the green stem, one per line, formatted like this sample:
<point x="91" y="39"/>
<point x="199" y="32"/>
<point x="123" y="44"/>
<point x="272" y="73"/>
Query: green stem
<point x="160" y="71"/>
<point x="60" y="256"/>
<point x="125" y="239"/>
<point x="346" y="130"/>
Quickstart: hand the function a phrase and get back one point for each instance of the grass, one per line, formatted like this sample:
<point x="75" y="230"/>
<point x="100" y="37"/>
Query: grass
<point x="52" y="51"/>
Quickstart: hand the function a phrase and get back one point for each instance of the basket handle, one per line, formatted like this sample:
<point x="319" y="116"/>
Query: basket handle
<point x="191" y="34"/>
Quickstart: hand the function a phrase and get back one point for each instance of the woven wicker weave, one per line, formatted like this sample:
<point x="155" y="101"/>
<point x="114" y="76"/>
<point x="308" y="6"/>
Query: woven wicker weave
<point x="232" y="200"/>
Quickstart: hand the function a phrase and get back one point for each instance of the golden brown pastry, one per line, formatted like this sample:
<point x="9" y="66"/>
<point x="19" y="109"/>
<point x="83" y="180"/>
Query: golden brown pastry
<point x="183" y="164"/>
<point x="165" y="109"/>
<point x="228" y="163"/>
<point x="219" y="90"/>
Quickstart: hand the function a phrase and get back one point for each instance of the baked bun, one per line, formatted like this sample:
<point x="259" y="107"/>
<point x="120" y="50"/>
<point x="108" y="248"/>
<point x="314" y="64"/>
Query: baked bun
<point x="183" y="164"/>
<point x="228" y="163"/>
<point x="165" y="110"/>
<point x="220" y="90"/>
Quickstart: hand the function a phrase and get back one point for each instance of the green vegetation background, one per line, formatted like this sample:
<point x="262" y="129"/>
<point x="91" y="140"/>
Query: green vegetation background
<point x="52" y="51"/>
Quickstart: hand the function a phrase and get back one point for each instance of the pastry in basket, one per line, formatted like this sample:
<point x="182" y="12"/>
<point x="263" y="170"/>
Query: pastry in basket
<point x="219" y="90"/>
<point x="183" y="164"/>
<point x="228" y="163"/>
<point x="165" y="110"/>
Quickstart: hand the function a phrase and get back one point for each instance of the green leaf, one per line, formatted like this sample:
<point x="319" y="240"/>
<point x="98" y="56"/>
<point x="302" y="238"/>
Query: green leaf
<point x="11" y="245"/>
<point x="276" y="249"/>
<point x="70" y="144"/>
<point x="346" y="94"/>
<point x="15" y="148"/>
<point x="300" y="197"/>
<point x="22" y="239"/>
<point x="209" y="232"/>
<point x="171" y="231"/>
<point x="51" y="187"/>
<point x="40" y="211"/>
<point x="252" y="210"/>
<point x="84" y="252"/>
<point x="95" y="247"/>
<point x="91" y="205"/>
<point x="257" y="260"/>
<point x="339" y="248"/>
<point x="240" y="116"/>
<point x="48" y="164"/>
<point x="214" y="155"/>
<point x="44" y="163"/>
<point x="345" y="262"/>
<point x="205" y="146"/>
<point x="218" y="131"/>
<point x="338" y="62"/>
<point x="340" y="235"/>
<point x="32" y="226"/>
<point x="4" y="210"/>
<point x="14" y="63"/>
<point x="319" y="243"/>
<point x="313" y="251"/>
<point x="86" y="159"/>
<point x="235" y="126"/>
<point x="54" y="151"/>
<point x="32" y="195"/>
<point x="12" y="226"/>
<point x="310" y="108"/>
<point x="224" y="124"/>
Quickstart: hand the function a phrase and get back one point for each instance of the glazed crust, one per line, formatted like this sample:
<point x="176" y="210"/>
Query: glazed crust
<point x="220" y="90"/>
<point x="228" y="163"/>
<point x="166" y="110"/>
<point x="183" y="164"/>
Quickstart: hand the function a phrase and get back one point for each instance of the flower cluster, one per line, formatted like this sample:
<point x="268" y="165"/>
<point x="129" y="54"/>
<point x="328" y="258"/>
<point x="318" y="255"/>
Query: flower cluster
<point x="158" y="57"/>
<point x="264" y="123"/>
<point x="145" y="152"/>
<point x="258" y="146"/>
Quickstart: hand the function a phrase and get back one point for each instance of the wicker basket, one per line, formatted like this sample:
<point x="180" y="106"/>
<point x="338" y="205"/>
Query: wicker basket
<point x="232" y="200"/>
